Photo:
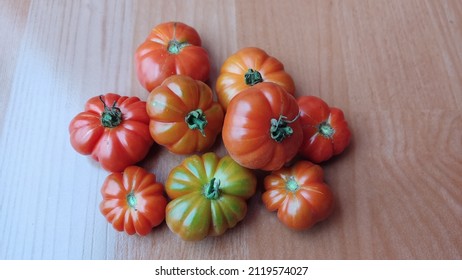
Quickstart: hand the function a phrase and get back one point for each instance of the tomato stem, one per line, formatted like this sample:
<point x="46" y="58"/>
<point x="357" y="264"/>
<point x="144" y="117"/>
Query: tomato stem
<point x="196" y="120"/>
<point x="212" y="189"/>
<point x="326" y="130"/>
<point x="131" y="200"/>
<point x="111" y="116"/>
<point x="252" y="77"/>
<point x="174" y="47"/>
<point x="280" y="128"/>
<point x="292" y="185"/>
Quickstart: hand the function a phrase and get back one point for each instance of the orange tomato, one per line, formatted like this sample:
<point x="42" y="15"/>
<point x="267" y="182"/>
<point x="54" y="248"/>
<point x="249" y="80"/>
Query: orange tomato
<point x="261" y="128"/>
<point x="299" y="195"/>
<point x="246" y="68"/>
<point x="183" y="116"/>
<point x="171" y="48"/>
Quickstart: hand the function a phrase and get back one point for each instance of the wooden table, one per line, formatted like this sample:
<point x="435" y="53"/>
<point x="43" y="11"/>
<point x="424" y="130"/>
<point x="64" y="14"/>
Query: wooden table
<point x="394" y="67"/>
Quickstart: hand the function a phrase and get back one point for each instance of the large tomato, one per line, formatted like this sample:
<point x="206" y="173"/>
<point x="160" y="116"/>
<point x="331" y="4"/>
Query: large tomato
<point x="113" y="129"/>
<point x="325" y="131"/>
<point x="246" y="68"/>
<point x="183" y="116"/>
<point x="208" y="196"/>
<point x="299" y="195"/>
<point x="171" y="48"/>
<point x="261" y="128"/>
<point x="133" y="201"/>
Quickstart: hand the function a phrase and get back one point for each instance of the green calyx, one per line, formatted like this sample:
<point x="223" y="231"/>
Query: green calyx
<point x="111" y="116"/>
<point x="212" y="189"/>
<point x="280" y="128"/>
<point x="174" y="47"/>
<point x="326" y="130"/>
<point x="131" y="200"/>
<point x="196" y="120"/>
<point x="292" y="185"/>
<point x="252" y="77"/>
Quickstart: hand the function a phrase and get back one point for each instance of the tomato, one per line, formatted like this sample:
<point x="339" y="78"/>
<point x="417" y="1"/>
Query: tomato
<point x="133" y="201"/>
<point x="208" y="196"/>
<point x="246" y="68"/>
<point x="183" y="116"/>
<point x="299" y="195"/>
<point x="113" y="129"/>
<point x="171" y="48"/>
<point x="325" y="131"/>
<point x="261" y="128"/>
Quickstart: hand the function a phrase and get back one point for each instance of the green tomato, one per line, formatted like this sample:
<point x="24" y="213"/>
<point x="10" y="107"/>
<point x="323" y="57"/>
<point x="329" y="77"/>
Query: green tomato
<point x="208" y="196"/>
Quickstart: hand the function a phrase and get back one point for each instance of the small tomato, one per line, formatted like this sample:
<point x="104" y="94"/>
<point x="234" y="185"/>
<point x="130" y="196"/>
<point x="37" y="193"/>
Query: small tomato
<point x="133" y="201"/>
<point x="171" y="48"/>
<point x="113" y="129"/>
<point x="183" y="116"/>
<point x="299" y="195"/>
<point x="246" y="68"/>
<point x="208" y="196"/>
<point x="325" y="130"/>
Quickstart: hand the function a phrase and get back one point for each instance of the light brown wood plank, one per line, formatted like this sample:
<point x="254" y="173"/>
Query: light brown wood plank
<point x="394" y="67"/>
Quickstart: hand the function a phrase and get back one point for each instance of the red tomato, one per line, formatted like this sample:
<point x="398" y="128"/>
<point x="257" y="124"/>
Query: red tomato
<point x="113" y="129"/>
<point x="261" y="128"/>
<point x="299" y="195"/>
<point x="171" y="48"/>
<point x="246" y="68"/>
<point x="183" y="116"/>
<point x="325" y="131"/>
<point x="133" y="201"/>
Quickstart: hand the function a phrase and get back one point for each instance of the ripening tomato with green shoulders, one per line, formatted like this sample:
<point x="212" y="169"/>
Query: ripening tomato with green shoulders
<point x="262" y="129"/>
<point x="325" y="130"/>
<point x="133" y="201"/>
<point x="246" y="68"/>
<point x="208" y="196"/>
<point x="299" y="195"/>
<point x="113" y="129"/>
<point x="184" y="118"/>
<point x="172" y="48"/>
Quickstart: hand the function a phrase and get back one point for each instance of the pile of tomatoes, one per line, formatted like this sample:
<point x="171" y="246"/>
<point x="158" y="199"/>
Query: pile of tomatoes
<point x="262" y="124"/>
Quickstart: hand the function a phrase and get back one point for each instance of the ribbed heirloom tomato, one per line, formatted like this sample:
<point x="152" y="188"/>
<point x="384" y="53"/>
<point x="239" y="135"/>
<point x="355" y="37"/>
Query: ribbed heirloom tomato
<point x="183" y="116"/>
<point x="325" y="130"/>
<point x="208" y="196"/>
<point x="299" y="195"/>
<point x="171" y="48"/>
<point x="246" y="68"/>
<point x="261" y="128"/>
<point x="113" y="129"/>
<point x="133" y="201"/>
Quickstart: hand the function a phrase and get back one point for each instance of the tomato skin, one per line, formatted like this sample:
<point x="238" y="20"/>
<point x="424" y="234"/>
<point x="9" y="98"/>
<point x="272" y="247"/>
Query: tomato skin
<point x="232" y="81"/>
<point x="156" y="59"/>
<point x="113" y="147"/>
<point x="246" y="129"/>
<point x="308" y="202"/>
<point x="317" y="117"/>
<point x="194" y="216"/>
<point x="133" y="201"/>
<point x="168" y="107"/>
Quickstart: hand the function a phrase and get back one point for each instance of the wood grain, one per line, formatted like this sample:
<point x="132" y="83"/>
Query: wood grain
<point x="394" y="67"/>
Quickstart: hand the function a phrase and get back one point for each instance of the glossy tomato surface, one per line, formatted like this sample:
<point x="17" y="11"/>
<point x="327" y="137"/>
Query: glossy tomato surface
<point x="133" y="201"/>
<point x="325" y="130"/>
<point x="299" y="195"/>
<point x="246" y="68"/>
<point x="261" y="128"/>
<point x="113" y="129"/>
<point x="208" y="196"/>
<point x="183" y="116"/>
<point x="171" y="48"/>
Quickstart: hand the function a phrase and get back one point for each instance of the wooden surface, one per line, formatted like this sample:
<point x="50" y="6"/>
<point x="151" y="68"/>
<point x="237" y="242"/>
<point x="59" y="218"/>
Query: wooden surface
<point x="394" y="67"/>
